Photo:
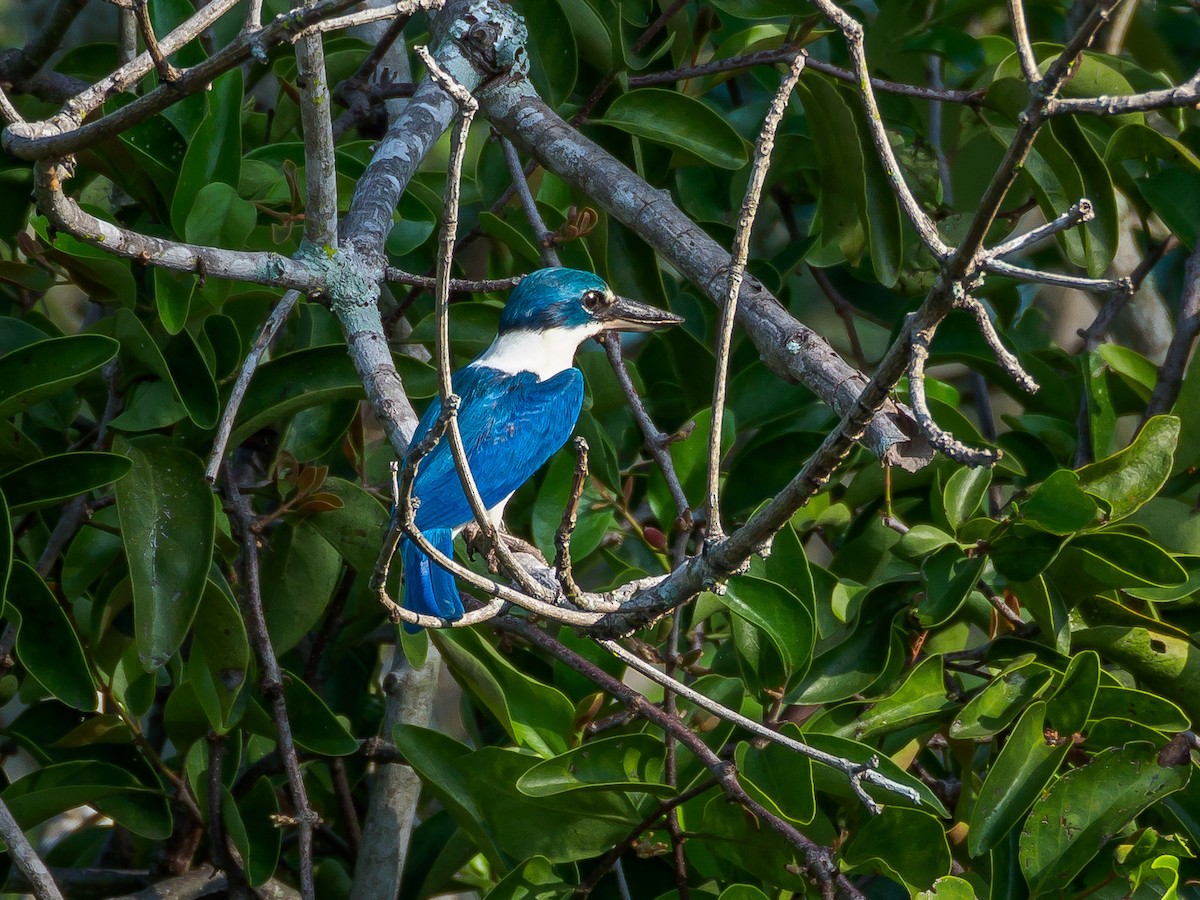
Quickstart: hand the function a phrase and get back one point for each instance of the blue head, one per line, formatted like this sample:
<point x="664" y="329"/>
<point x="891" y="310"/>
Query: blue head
<point x="550" y="299"/>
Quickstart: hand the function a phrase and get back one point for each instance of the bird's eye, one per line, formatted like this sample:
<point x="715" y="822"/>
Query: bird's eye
<point x="592" y="299"/>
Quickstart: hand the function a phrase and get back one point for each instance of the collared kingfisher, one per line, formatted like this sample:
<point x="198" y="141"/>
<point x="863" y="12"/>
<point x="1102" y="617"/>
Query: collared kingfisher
<point x="519" y="403"/>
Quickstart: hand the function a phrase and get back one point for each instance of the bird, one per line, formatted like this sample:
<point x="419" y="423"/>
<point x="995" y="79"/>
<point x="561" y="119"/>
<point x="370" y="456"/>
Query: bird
<point x="519" y="401"/>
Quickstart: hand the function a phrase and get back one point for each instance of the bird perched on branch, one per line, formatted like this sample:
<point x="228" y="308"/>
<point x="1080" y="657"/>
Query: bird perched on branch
<point x="519" y="403"/>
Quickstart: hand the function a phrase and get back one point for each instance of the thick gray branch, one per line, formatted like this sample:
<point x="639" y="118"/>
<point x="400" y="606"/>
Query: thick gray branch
<point x="395" y="787"/>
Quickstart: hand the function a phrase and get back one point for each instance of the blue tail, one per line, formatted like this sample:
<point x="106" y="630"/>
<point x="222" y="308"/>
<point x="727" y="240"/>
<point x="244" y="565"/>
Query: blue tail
<point x="428" y="588"/>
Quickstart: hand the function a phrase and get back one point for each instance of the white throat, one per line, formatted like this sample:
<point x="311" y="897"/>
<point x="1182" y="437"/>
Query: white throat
<point x="544" y="353"/>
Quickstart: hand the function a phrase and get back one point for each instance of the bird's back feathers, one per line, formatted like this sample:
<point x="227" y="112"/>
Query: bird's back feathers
<point x="510" y="426"/>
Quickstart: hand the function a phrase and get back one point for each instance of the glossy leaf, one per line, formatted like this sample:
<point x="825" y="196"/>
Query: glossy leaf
<point x="296" y="381"/>
<point x="1129" y="478"/>
<point x="47" y="645"/>
<point x="628" y="762"/>
<point x="535" y="715"/>
<point x="38" y="371"/>
<point x="678" y="121"/>
<point x="965" y="491"/>
<point x="300" y="570"/>
<point x="1075" y="818"/>
<point x="995" y="707"/>
<point x="214" y="152"/>
<point x="53" y="479"/>
<point x="314" y="725"/>
<point x="167" y="522"/>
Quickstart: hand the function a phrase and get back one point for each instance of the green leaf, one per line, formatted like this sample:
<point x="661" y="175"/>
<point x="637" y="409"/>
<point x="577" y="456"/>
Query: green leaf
<point x="314" y="725"/>
<point x="443" y="764"/>
<point x="842" y="202"/>
<point x="1123" y="560"/>
<point x="564" y="828"/>
<point x="857" y="662"/>
<point x="111" y="789"/>
<point x="964" y="493"/>
<point x="193" y="380"/>
<point x="1032" y="754"/>
<point x="356" y="528"/>
<point x="631" y="762"/>
<point x="679" y="121"/>
<point x="1059" y="505"/>
<point x="551" y="500"/>
<point x="920" y="698"/>
<point x="299" y="573"/>
<point x="1150" y="710"/>
<point x="1128" y="479"/>
<point x="167" y="523"/>
<point x="779" y="778"/>
<point x="1165" y="662"/>
<point x="781" y="615"/>
<point x="921" y="541"/>
<point x="552" y="61"/>
<point x="296" y="381"/>
<point x="47" y="645"/>
<point x="52" y="479"/>
<point x="535" y="715"/>
<point x="993" y="709"/>
<point x="533" y="879"/>
<point x="950" y="577"/>
<point x="906" y="844"/>
<point x="264" y="837"/>
<point x="214" y="151"/>
<point x="1081" y="811"/>
<point x="173" y="298"/>
<point x="220" y="218"/>
<point x="6" y="547"/>
<point x="39" y="371"/>
<point x="220" y="656"/>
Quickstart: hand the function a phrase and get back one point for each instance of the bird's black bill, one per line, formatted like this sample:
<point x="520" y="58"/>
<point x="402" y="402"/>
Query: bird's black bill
<point x="623" y="314"/>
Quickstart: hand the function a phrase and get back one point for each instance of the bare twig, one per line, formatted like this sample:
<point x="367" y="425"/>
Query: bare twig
<point x="784" y="54"/>
<point x="64" y="134"/>
<point x="218" y="849"/>
<point x="8" y="112"/>
<point x="1101" y="285"/>
<point x="1082" y="211"/>
<point x="609" y="859"/>
<point x="266" y="334"/>
<point x="459" y="285"/>
<point x="1029" y="66"/>
<point x="852" y="31"/>
<point x="872" y="776"/>
<point x="657" y="444"/>
<point x="943" y="440"/>
<point x="320" y="168"/>
<point x="562" y="537"/>
<point x="1182" y="96"/>
<point x="26" y="858"/>
<point x="127" y="32"/>
<point x="1008" y="362"/>
<point x="764" y="147"/>
<point x="1170" y="374"/>
<point x="43" y="44"/>
<point x="167" y="72"/>
<point x="1117" y="299"/>
<point x="272" y="678"/>
<point x="845" y="310"/>
<point x="545" y="240"/>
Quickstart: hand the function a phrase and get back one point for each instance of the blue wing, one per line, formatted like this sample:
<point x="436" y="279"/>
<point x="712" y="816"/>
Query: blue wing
<point x="510" y="425"/>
